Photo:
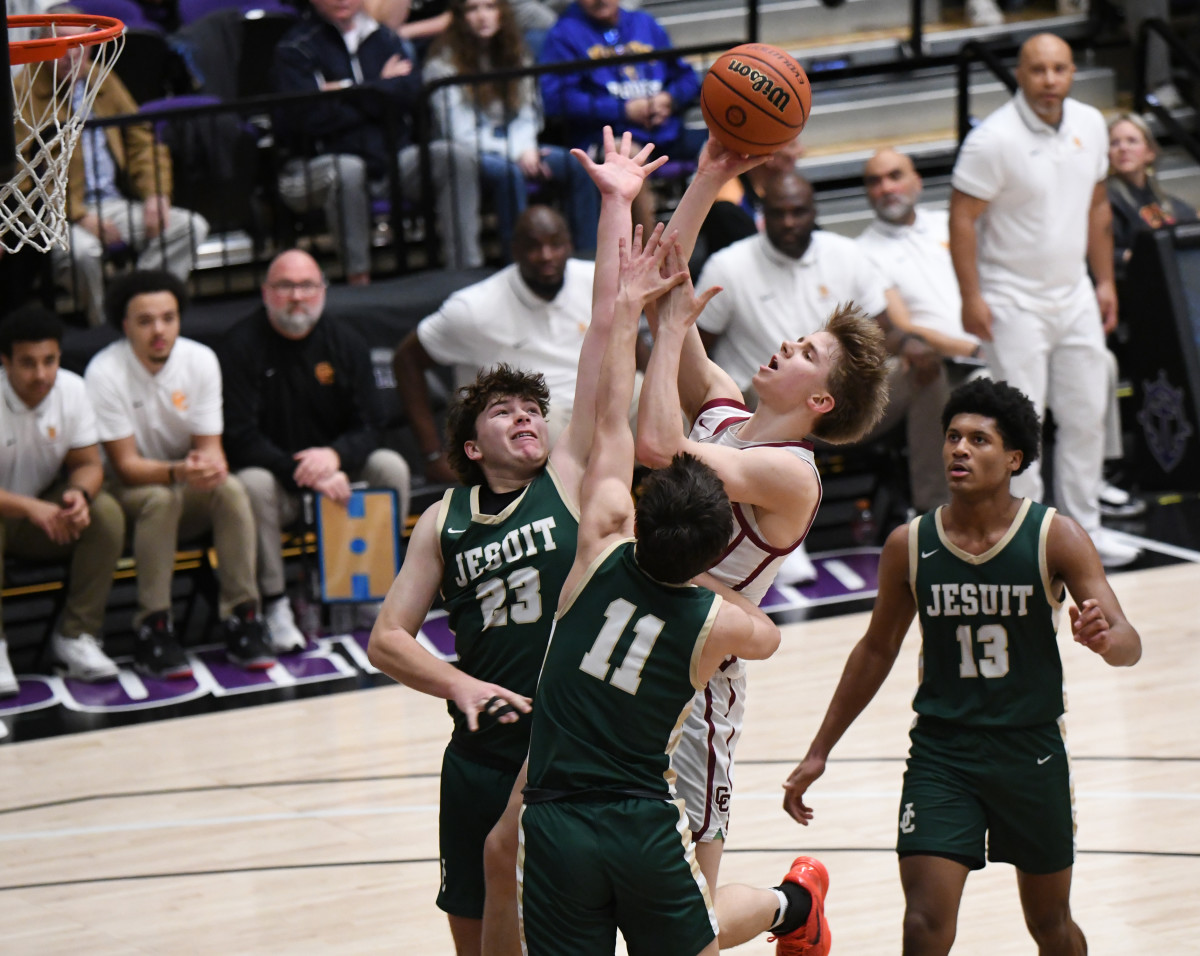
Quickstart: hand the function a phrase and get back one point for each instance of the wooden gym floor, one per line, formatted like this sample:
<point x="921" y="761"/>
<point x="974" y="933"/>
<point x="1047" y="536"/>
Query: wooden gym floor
<point x="310" y="826"/>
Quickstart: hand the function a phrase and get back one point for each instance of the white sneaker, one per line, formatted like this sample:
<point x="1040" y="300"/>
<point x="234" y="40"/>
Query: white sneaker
<point x="797" y="568"/>
<point x="984" y="13"/>
<point x="282" y="632"/>
<point x="82" y="657"/>
<point x="8" y="680"/>
<point x="1114" y="553"/>
<point x="1118" y="503"/>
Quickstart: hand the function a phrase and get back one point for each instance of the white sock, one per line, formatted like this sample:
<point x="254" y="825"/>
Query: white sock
<point x="783" y="905"/>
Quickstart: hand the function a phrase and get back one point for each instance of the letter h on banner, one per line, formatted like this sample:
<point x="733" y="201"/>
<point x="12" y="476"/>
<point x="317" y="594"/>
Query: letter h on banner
<point x="358" y="546"/>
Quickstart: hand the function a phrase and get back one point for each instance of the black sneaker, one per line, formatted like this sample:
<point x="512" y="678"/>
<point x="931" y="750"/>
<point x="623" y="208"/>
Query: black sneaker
<point x="157" y="652"/>
<point x="246" y="640"/>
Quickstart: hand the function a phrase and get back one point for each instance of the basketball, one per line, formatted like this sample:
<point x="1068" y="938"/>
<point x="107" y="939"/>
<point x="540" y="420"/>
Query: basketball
<point x="755" y="98"/>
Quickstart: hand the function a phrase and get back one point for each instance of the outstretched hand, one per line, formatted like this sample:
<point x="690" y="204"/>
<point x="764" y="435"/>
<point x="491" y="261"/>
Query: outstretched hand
<point x="623" y="171"/>
<point x="680" y="306"/>
<point x="717" y="159"/>
<point x="797" y="783"/>
<point x="644" y="274"/>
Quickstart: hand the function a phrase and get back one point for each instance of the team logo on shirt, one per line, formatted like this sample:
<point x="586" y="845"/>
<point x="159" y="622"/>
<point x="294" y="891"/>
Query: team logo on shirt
<point x="324" y="373"/>
<point x="51" y="432"/>
<point x="179" y="400"/>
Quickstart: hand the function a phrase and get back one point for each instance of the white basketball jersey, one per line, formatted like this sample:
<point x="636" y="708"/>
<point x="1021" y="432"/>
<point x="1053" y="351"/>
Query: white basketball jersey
<point x="749" y="563"/>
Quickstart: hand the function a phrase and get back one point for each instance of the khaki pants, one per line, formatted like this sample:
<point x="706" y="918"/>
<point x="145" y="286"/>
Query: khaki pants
<point x="164" y="515"/>
<point x="275" y="508"/>
<point x="93" y="559"/>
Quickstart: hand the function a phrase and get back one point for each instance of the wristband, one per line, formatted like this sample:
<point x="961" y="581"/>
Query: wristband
<point x="83" y="491"/>
<point x="171" y="479"/>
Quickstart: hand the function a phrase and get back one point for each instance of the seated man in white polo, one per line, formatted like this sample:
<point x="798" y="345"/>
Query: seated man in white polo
<point x="51" y="503"/>
<point x="157" y="398"/>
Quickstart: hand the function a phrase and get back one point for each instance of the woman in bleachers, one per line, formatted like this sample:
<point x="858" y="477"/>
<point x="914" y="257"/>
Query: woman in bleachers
<point x="1138" y="201"/>
<point x="502" y="118"/>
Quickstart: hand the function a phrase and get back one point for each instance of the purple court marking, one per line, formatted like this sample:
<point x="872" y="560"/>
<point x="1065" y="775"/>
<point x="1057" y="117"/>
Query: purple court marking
<point x="437" y="631"/>
<point x="831" y="588"/>
<point x="35" y="693"/>
<point x="115" y="696"/>
<point x="847" y="575"/>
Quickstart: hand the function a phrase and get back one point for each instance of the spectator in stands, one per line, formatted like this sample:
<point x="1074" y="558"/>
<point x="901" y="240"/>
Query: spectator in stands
<point x="301" y="416"/>
<point x="647" y="99"/>
<point x="118" y="189"/>
<point x="418" y="22"/>
<point x="531" y="315"/>
<point x="785" y="283"/>
<point x="501" y="121"/>
<point x="51" y="503"/>
<point x="1138" y="201"/>
<point x="910" y="246"/>
<point x="338" y="144"/>
<point x="1028" y="206"/>
<point x="157" y="399"/>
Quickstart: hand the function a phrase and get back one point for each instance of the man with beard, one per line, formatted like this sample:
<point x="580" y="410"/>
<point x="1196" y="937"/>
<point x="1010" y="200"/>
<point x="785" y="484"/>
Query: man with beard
<point x="533" y="314"/>
<point x="911" y="247"/>
<point x="301" y="414"/>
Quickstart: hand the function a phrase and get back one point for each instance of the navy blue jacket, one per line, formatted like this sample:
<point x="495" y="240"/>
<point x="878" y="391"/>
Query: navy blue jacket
<point x="313" y="50"/>
<point x="282" y="395"/>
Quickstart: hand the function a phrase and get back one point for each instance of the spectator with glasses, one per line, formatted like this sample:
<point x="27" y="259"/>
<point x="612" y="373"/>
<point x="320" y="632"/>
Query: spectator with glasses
<point x="301" y="415"/>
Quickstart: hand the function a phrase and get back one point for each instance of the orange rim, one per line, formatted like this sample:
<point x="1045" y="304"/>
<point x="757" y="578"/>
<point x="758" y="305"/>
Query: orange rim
<point x="51" y="48"/>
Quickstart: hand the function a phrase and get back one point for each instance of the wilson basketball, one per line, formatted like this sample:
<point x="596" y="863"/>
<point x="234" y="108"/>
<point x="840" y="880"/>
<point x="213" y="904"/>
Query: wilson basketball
<point x="755" y="98"/>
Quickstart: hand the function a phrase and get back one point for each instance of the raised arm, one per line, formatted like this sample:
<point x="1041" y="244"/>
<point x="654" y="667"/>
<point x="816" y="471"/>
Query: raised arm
<point x="619" y="179"/>
<point x="700" y="379"/>
<point x="1097" y="621"/>
<point x="606" y="508"/>
<point x="868" y="665"/>
<point x="393" y="646"/>
<point x="660" y="436"/>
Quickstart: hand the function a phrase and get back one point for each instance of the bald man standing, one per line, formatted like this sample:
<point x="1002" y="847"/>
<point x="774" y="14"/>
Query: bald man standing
<point x="1028" y="214"/>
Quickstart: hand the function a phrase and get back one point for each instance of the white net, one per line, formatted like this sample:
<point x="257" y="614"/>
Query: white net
<point x="51" y="100"/>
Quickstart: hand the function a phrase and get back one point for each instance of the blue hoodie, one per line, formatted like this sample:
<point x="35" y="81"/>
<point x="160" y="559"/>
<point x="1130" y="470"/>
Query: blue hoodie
<point x="590" y="101"/>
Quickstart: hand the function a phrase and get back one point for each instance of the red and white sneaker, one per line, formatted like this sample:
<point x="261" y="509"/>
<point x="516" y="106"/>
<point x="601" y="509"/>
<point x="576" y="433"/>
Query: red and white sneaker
<point x="811" y="939"/>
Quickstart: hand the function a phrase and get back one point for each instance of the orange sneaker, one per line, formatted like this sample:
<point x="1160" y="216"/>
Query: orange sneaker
<point x="811" y="939"/>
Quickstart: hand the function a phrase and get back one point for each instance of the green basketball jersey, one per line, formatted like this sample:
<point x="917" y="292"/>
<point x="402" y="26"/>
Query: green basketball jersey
<point x="989" y="625"/>
<point x="502" y="577"/>
<point x="618" y="680"/>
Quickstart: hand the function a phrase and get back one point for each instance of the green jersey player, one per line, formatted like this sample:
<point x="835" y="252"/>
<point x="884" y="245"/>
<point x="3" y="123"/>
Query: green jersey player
<point x="987" y="575"/>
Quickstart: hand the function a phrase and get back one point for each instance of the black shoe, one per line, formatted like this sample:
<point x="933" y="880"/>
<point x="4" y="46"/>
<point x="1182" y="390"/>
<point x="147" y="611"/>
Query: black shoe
<point x="246" y="640"/>
<point x="157" y="652"/>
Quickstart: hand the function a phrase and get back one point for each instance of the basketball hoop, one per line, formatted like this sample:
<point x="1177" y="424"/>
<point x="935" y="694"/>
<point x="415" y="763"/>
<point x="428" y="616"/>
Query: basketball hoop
<point x="33" y="202"/>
